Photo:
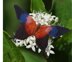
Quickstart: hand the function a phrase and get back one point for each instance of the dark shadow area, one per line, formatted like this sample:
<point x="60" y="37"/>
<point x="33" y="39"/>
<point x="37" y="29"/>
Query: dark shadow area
<point x="48" y="4"/>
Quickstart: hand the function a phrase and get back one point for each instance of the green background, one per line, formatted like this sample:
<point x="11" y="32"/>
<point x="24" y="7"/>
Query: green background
<point x="63" y="46"/>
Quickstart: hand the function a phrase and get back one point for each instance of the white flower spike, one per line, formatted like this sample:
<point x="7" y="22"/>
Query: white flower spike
<point x="48" y="48"/>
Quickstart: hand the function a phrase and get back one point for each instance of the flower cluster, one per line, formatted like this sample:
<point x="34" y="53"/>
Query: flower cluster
<point x="30" y="42"/>
<point x="44" y="18"/>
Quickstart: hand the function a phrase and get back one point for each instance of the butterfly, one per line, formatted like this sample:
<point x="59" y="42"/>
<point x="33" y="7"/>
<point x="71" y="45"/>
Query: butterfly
<point x="28" y="27"/>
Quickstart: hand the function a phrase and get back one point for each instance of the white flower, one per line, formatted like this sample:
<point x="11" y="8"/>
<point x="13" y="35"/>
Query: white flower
<point x="32" y="46"/>
<point x="39" y="50"/>
<point x="18" y="42"/>
<point x="48" y="48"/>
<point x="25" y="42"/>
<point x="56" y="19"/>
<point x="31" y="40"/>
<point x="53" y="37"/>
<point x="61" y="35"/>
<point x="52" y="18"/>
<point x="43" y="18"/>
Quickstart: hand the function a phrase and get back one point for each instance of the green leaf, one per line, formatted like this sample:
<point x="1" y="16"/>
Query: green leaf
<point x="63" y="45"/>
<point x="63" y="9"/>
<point x="37" y="5"/>
<point x="10" y="20"/>
<point x="31" y="56"/>
<point x="10" y="52"/>
<point x="68" y="24"/>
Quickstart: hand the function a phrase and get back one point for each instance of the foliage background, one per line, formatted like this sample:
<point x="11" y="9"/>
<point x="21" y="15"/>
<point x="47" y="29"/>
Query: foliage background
<point x="63" y="46"/>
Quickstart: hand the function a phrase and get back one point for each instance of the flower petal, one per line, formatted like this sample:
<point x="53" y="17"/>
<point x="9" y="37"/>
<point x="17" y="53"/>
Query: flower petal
<point x="25" y="44"/>
<point x="48" y="53"/>
<point x="39" y="50"/>
<point x="52" y="52"/>
<point x="29" y="46"/>
<point x="51" y="46"/>
<point x="56" y="19"/>
<point x="49" y="41"/>
<point x="34" y="44"/>
<point x="21" y="43"/>
<point x="30" y="42"/>
<point x="33" y="48"/>
<point x="17" y="44"/>
<point x="27" y="40"/>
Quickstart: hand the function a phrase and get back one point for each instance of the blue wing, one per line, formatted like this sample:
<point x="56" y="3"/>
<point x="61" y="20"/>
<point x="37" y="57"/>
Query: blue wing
<point x="21" y="15"/>
<point x="57" y="31"/>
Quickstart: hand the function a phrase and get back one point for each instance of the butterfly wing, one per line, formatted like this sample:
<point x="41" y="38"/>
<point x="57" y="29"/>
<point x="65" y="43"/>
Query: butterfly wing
<point x="21" y="33"/>
<point x="30" y="26"/>
<point x="42" y="43"/>
<point x="57" y="31"/>
<point x="42" y="36"/>
<point x="21" y="14"/>
<point x="29" y="23"/>
<point x="43" y="31"/>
